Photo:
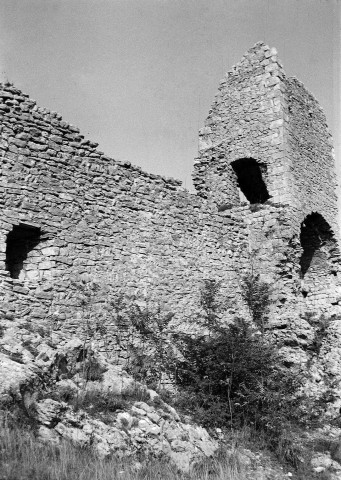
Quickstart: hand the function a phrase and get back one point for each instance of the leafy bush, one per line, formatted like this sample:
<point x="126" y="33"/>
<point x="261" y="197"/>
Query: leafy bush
<point x="96" y="401"/>
<point x="256" y="294"/>
<point x="232" y="375"/>
<point x="210" y="303"/>
<point x="152" y="355"/>
<point x="92" y="369"/>
<point x="226" y="375"/>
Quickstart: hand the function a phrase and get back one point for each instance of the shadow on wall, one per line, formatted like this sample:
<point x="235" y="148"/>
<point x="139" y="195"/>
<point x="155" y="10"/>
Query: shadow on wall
<point x="250" y="179"/>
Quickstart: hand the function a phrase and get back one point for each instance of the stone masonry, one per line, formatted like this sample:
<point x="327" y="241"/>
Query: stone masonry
<point x="265" y="202"/>
<point x="276" y="128"/>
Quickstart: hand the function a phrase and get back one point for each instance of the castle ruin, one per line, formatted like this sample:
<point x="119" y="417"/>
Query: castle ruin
<point x="265" y="201"/>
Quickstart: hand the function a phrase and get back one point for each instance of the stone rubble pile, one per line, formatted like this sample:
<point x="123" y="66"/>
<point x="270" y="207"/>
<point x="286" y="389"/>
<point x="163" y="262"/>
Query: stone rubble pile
<point x="152" y="428"/>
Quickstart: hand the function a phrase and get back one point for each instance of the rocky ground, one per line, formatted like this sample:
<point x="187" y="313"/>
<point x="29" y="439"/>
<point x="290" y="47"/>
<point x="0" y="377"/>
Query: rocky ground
<point x="72" y="393"/>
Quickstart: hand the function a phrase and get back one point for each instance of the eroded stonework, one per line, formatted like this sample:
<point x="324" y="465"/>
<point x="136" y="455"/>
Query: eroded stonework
<point x="265" y="201"/>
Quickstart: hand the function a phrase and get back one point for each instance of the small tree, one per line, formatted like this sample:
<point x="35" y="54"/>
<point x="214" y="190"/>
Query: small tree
<point x="87" y="292"/>
<point x="153" y="352"/>
<point x="209" y="302"/>
<point x="256" y="294"/>
<point x="233" y="375"/>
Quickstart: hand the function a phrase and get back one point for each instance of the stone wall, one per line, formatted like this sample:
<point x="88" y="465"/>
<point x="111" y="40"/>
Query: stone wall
<point x="245" y="121"/>
<point x="68" y="210"/>
<point x="265" y="165"/>
<point x="310" y="148"/>
<point x="267" y="121"/>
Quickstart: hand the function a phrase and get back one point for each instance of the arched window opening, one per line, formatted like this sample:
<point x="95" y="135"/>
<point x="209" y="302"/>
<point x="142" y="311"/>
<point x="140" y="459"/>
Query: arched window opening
<point x="318" y="243"/>
<point x="20" y="241"/>
<point x="250" y="179"/>
<point x="319" y="262"/>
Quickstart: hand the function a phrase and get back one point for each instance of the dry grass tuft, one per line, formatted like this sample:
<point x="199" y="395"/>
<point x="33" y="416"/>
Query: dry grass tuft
<point x="22" y="457"/>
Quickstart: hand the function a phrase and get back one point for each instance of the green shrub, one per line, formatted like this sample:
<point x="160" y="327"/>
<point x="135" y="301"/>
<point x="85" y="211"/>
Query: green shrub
<point x="65" y="393"/>
<point x="256" y="294"/>
<point x="232" y="375"/>
<point x="98" y="402"/>
<point x="92" y="369"/>
<point x="210" y="303"/>
<point x="151" y="357"/>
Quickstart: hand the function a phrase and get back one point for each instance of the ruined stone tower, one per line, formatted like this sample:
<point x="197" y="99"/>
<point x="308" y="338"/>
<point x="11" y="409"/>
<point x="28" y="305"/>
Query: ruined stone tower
<point x="261" y="115"/>
<point x="266" y="141"/>
<point x="265" y="202"/>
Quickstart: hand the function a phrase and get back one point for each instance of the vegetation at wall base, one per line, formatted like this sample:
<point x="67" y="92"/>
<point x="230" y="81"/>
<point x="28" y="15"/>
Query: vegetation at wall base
<point x="233" y="378"/>
<point x="23" y="457"/>
<point x="242" y="456"/>
<point x="230" y="375"/>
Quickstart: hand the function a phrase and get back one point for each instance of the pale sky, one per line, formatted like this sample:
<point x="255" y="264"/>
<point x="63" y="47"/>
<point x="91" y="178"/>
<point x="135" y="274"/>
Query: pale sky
<point x="139" y="76"/>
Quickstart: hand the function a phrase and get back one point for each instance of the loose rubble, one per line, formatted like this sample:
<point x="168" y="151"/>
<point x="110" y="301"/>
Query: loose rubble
<point x="154" y="428"/>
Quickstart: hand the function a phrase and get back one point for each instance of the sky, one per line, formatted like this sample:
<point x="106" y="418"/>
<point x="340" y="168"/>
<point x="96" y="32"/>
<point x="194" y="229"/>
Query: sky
<point x="139" y="76"/>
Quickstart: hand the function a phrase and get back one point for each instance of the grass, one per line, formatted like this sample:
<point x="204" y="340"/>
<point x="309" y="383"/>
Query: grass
<point x="22" y="457"/>
<point x="97" y="402"/>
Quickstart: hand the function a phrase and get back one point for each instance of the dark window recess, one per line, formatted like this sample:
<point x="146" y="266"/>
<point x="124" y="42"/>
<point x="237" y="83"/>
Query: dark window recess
<point x="316" y="240"/>
<point x="20" y="241"/>
<point x="250" y="180"/>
